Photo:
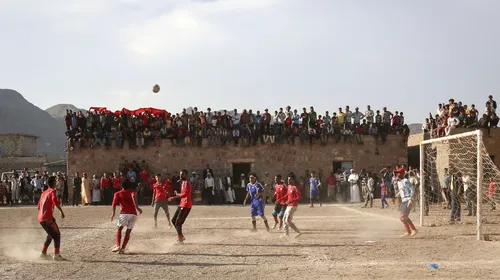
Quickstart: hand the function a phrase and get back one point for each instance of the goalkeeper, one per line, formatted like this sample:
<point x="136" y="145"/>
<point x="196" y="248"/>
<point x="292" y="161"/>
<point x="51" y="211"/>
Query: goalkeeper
<point x="405" y="190"/>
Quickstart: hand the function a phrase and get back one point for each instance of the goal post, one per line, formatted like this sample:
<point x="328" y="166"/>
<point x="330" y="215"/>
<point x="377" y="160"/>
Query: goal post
<point x="461" y="157"/>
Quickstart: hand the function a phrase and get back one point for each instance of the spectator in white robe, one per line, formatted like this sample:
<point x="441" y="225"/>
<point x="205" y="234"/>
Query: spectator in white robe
<point x="354" y="186"/>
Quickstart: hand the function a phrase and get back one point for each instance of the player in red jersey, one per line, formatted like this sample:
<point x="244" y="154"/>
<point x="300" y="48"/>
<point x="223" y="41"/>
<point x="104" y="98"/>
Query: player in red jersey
<point x="279" y="193"/>
<point x="128" y="214"/>
<point x="48" y="200"/>
<point x="185" y="206"/>
<point x="160" y="199"/>
<point x="292" y="199"/>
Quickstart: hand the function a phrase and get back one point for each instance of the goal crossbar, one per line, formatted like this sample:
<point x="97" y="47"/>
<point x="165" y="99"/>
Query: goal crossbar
<point x="479" y="136"/>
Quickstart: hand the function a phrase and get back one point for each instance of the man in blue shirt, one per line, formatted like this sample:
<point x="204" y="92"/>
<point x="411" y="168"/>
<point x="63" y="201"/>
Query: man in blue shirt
<point x="314" y="186"/>
<point x="131" y="175"/>
<point x="255" y="191"/>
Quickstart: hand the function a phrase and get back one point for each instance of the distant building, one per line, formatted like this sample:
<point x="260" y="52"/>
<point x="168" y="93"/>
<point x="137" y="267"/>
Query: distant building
<point x="18" y="150"/>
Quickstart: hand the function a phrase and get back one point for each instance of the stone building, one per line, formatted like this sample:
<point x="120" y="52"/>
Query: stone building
<point x="278" y="159"/>
<point x="18" y="151"/>
<point x="490" y="142"/>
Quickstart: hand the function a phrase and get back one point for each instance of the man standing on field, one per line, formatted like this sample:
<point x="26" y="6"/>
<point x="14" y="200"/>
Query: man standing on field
<point x="291" y="199"/>
<point x="255" y="191"/>
<point x="128" y="214"/>
<point x="160" y="199"/>
<point x="405" y="190"/>
<point x="185" y="206"/>
<point x="279" y="209"/>
<point x="48" y="200"/>
<point x="314" y="190"/>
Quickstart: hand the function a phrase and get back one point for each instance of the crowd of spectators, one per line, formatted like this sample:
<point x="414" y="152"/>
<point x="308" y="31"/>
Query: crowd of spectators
<point x="212" y="188"/>
<point x="25" y="187"/>
<point x="455" y="114"/>
<point x="147" y="126"/>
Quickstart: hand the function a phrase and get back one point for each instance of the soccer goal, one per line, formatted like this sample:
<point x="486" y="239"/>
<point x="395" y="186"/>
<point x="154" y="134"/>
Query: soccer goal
<point x="456" y="171"/>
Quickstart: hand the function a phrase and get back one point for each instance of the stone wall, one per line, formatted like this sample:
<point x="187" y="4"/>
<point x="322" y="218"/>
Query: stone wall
<point x="17" y="145"/>
<point x="264" y="158"/>
<point x="490" y="142"/>
<point x="28" y="146"/>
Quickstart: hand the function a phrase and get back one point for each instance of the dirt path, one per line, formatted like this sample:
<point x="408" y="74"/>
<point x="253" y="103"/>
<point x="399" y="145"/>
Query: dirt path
<point x="339" y="242"/>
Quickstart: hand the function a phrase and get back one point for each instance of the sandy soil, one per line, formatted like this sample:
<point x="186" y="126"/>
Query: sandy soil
<point x="339" y="242"/>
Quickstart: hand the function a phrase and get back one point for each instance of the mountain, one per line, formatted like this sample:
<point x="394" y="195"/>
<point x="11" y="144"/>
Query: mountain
<point x="17" y="115"/>
<point x="59" y="111"/>
<point x="415" y="128"/>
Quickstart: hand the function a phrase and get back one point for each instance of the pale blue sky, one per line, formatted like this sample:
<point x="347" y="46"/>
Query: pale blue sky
<point x="407" y="55"/>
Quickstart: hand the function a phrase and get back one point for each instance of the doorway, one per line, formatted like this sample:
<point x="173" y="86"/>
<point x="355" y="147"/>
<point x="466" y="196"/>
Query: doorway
<point x="347" y="165"/>
<point x="238" y="169"/>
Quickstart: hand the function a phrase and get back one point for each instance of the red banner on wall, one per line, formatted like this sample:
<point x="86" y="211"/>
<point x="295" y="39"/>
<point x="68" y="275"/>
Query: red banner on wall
<point x="151" y="111"/>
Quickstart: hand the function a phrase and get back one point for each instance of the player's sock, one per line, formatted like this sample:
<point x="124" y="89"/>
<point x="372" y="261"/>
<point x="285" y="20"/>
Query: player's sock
<point x="56" y="251"/>
<point x="125" y="240"/>
<point x="275" y="219"/>
<point x="267" y="225"/>
<point x="407" y="227"/>
<point x="44" y="250"/>
<point x="281" y="224"/>
<point x="118" y="237"/>
<point x="412" y="226"/>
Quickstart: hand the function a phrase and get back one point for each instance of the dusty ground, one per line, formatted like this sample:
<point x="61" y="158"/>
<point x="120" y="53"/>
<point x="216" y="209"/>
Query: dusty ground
<point x="220" y="246"/>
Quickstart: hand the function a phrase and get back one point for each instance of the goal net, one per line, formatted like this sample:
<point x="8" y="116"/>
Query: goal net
<point x="456" y="173"/>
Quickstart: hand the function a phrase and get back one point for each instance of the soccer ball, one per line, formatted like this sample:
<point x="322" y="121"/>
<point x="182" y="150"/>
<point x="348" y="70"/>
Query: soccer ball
<point x="156" y="88"/>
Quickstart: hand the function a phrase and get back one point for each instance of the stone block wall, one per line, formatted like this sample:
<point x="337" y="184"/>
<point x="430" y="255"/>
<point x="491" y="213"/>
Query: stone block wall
<point x="17" y="145"/>
<point x="276" y="159"/>
<point x="491" y="142"/>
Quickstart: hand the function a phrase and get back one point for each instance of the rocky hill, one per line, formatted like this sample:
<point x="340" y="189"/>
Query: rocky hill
<point x="415" y="128"/>
<point x="59" y="111"/>
<point x="20" y="116"/>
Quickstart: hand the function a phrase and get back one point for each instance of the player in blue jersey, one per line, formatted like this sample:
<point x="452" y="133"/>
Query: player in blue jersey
<point x="255" y="190"/>
<point x="314" y="187"/>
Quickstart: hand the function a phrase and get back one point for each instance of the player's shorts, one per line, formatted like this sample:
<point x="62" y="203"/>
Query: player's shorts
<point x="127" y="220"/>
<point x="160" y="204"/>
<point x="257" y="208"/>
<point x="405" y="209"/>
<point x="279" y="210"/>
<point x="314" y="193"/>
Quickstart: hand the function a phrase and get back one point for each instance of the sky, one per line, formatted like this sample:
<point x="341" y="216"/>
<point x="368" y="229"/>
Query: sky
<point x="226" y="54"/>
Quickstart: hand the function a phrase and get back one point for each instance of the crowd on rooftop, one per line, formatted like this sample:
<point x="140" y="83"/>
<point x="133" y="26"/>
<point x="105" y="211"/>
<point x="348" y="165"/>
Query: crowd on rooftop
<point x="456" y="114"/>
<point x="147" y="126"/>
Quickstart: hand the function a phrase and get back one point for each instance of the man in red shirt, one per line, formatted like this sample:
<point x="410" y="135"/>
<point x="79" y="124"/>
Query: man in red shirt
<point x="169" y="185"/>
<point x="107" y="186"/>
<point x="160" y="199"/>
<point x="332" y="182"/>
<point x="185" y="206"/>
<point x="279" y="193"/>
<point x="48" y="200"/>
<point x="291" y="199"/>
<point x="117" y="183"/>
<point x="492" y="189"/>
<point x="143" y="185"/>
<point x="128" y="214"/>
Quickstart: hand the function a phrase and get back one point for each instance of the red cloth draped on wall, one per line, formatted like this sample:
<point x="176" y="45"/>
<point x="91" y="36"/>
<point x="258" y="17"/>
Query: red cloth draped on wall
<point x="151" y="111"/>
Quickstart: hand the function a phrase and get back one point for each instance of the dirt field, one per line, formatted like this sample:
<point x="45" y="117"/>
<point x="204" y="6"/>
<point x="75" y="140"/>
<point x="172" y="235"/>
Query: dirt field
<point x="339" y="242"/>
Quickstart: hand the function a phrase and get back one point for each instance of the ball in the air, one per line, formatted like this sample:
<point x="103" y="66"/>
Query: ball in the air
<point x="156" y="88"/>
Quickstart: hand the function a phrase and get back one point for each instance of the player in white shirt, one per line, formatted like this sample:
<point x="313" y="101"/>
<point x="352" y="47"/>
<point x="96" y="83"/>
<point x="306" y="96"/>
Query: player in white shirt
<point x="405" y="190"/>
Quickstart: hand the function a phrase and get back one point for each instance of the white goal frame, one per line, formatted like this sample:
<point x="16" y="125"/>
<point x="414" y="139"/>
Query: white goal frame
<point x="479" y="135"/>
